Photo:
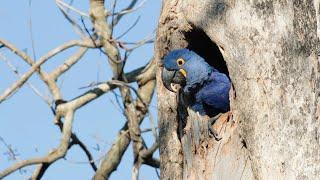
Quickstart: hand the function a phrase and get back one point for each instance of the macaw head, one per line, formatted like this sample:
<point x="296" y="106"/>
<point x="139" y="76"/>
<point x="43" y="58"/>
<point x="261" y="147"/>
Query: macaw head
<point x="184" y="67"/>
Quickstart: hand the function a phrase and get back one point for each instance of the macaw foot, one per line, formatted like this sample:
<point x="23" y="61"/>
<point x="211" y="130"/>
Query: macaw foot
<point x="213" y="131"/>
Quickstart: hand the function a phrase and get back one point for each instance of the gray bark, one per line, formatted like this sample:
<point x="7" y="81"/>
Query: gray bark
<point x="271" y="51"/>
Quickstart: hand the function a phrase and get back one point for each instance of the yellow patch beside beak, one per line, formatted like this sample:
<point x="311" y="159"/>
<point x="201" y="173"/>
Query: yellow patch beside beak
<point x="184" y="73"/>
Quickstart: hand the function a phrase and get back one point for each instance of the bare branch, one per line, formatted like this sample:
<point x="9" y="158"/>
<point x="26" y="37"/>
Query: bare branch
<point x="35" y="66"/>
<point x="130" y="28"/>
<point x="52" y="156"/>
<point x="127" y="10"/>
<point x="31" y="32"/>
<point x="135" y="111"/>
<point x="81" y="43"/>
<point x="77" y="27"/>
<point x="135" y="171"/>
<point x="77" y="141"/>
<point x="10" y="151"/>
<point x="110" y="85"/>
<point x="72" y="8"/>
<point x="130" y="8"/>
<point x="112" y="18"/>
<point x="104" y="31"/>
<point x="138" y="44"/>
<point x="70" y="4"/>
<point x="153" y="127"/>
<point x="68" y="63"/>
<point x="134" y="130"/>
<point x="144" y="156"/>
<point x="147" y="130"/>
<point x="114" y="155"/>
<point x="41" y="169"/>
<point x="33" y="88"/>
<point x="17" y="51"/>
<point x="152" y="162"/>
<point x="9" y="91"/>
<point x="147" y="153"/>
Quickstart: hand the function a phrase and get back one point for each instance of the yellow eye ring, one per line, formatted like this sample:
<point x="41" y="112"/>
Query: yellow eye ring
<point x="180" y="62"/>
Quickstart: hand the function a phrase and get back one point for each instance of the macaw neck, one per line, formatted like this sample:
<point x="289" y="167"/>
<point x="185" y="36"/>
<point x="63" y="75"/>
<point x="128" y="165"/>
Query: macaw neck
<point x="197" y="75"/>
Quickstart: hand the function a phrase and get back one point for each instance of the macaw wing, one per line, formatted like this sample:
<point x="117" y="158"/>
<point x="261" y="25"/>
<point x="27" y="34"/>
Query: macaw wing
<point x="216" y="93"/>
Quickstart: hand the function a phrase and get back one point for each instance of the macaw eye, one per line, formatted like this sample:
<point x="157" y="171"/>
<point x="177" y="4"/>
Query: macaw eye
<point x="180" y="61"/>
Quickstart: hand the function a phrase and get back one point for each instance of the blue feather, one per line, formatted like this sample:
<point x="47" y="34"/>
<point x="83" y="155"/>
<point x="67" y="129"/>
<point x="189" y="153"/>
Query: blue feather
<point x="214" y="94"/>
<point x="208" y="88"/>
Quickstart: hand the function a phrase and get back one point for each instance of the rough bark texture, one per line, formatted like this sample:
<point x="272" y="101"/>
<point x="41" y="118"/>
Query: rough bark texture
<point x="271" y="51"/>
<point x="169" y="37"/>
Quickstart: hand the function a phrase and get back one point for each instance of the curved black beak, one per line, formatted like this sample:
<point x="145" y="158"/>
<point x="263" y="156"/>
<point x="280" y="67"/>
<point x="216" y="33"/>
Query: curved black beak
<point x="172" y="77"/>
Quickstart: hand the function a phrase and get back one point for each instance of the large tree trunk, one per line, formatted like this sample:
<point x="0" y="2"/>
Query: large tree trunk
<point x="270" y="49"/>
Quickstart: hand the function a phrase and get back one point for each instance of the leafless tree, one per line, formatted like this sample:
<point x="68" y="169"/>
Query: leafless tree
<point x="136" y="101"/>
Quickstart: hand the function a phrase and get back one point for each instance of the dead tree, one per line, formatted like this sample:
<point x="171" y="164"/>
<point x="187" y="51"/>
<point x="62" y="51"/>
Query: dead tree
<point x="270" y="50"/>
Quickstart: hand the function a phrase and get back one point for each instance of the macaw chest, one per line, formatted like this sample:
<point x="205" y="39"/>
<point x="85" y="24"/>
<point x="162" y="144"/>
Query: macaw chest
<point x="197" y="101"/>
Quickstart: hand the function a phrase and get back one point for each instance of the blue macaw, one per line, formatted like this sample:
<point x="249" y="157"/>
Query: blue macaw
<point x="205" y="87"/>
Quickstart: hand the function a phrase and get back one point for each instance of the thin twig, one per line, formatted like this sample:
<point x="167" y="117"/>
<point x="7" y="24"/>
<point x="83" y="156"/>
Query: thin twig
<point x="9" y="91"/>
<point x="147" y="130"/>
<point x="11" y="152"/>
<point x="76" y="140"/>
<point x="13" y="88"/>
<point x="70" y="4"/>
<point x="112" y="17"/>
<point x="33" y="88"/>
<point x="153" y="126"/>
<point x="127" y="10"/>
<point x="75" y="25"/>
<point x="82" y="43"/>
<point x="72" y="8"/>
<point x="116" y="96"/>
<point x="137" y="44"/>
<point x="102" y="88"/>
<point x="121" y="83"/>
<point x="51" y="156"/>
<point x="31" y="32"/>
<point x="130" y="28"/>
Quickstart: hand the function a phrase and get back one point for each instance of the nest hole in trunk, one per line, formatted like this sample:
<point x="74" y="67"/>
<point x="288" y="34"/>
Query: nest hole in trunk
<point x="199" y="42"/>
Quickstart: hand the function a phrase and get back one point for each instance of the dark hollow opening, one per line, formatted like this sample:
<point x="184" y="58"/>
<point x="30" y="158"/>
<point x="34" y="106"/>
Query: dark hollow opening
<point x="200" y="43"/>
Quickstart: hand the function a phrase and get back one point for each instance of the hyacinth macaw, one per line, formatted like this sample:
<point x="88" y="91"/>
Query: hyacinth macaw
<point x="206" y="89"/>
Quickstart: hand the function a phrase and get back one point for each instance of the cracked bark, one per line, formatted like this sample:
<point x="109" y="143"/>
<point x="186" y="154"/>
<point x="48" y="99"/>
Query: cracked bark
<point x="271" y="50"/>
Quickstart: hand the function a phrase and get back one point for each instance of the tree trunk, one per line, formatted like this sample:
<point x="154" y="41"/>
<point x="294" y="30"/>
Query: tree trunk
<point x="270" y="51"/>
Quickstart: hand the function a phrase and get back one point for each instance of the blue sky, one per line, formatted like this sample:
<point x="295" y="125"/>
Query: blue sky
<point x="26" y="121"/>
